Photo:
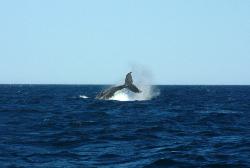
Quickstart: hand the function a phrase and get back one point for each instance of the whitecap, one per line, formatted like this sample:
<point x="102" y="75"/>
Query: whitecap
<point x="148" y="92"/>
<point x="83" y="96"/>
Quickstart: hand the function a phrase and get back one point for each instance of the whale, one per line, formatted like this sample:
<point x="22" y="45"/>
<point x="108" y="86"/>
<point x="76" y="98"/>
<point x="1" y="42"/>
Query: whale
<point x="108" y="93"/>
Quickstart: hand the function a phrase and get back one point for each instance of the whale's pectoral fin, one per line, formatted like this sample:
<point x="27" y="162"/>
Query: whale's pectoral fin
<point x="129" y="83"/>
<point x="128" y="79"/>
<point x="133" y="88"/>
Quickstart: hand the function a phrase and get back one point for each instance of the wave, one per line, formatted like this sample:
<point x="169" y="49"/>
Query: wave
<point x="83" y="96"/>
<point x="166" y="162"/>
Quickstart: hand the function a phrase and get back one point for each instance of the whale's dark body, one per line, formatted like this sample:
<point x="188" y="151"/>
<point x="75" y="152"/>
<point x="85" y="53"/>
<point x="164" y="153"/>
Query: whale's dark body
<point x="106" y="94"/>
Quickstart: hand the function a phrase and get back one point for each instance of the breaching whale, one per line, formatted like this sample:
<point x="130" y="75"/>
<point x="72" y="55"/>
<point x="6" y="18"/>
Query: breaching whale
<point x="106" y="94"/>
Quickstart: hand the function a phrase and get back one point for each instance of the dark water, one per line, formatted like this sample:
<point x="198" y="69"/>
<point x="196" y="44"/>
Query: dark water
<point x="185" y="126"/>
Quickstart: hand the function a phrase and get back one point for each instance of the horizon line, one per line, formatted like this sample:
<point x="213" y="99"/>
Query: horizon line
<point x="114" y="84"/>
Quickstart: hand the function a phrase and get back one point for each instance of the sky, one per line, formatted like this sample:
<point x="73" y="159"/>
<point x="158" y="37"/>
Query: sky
<point x="99" y="41"/>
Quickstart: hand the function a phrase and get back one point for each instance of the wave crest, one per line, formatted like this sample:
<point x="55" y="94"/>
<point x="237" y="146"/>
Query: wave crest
<point x="83" y="96"/>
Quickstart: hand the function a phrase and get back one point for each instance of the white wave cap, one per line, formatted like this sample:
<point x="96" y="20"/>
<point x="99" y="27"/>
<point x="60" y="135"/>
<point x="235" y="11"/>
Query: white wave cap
<point x="83" y="96"/>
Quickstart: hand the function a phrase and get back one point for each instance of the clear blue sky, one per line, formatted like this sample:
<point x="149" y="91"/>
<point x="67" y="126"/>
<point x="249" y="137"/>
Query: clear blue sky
<point x="98" y="41"/>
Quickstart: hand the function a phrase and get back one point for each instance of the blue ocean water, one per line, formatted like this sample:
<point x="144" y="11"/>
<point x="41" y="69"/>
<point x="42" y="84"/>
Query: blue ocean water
<point x="184" y="126"/>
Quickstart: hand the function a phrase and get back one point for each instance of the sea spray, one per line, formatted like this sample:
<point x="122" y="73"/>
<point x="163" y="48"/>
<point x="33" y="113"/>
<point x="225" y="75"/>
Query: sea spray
<point x="148" y="92"/>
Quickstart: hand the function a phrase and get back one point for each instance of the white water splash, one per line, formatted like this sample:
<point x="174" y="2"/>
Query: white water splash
<point x="83" y="96"/>
<point x="120" y="96"/>
<point x="148" y="92"/>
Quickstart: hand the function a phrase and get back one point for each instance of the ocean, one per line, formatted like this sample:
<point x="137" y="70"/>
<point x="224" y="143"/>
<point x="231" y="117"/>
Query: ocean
<point x="172" y="126"/>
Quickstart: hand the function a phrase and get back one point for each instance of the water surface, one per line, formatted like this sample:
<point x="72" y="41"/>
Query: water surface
<point x="184" y="126"/>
